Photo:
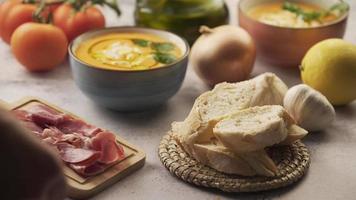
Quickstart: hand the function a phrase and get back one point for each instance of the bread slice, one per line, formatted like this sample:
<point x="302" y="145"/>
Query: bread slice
<point x="224" y="160"/>
<point x="225" y="99"/>
<point x="295" y="133"/>
<point x="255" y="128"/>
<point x="260" y="162"/>
<point x="195" y="133"/>
<point x="221" y="159"/>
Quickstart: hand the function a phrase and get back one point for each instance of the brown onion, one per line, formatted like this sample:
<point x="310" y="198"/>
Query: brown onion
<point x="226" y="53"/>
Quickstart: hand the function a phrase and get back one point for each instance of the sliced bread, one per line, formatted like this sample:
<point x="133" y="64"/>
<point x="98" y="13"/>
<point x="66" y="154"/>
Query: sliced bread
<point x="225" y="99"/>
<point x="255" y="128"/>
<point x="222" y="159"/>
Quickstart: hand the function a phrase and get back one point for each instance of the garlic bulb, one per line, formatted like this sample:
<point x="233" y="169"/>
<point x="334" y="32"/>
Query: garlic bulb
<point x="309" y="108"/>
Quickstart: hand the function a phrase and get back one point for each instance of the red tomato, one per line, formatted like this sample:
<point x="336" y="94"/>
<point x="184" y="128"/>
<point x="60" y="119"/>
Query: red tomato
<point x="4" y="10"/>
<point x="39" y="47"/>
<point x="0" y="11"/>
<point x="74" y="23"/>
<point x="18" y="15"/>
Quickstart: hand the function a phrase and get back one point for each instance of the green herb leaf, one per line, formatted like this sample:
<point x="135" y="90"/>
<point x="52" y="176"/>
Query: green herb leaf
<point x="291" y="7"/>
<point x="310" y="16"/>
<point x="306" y="16"/>
<point x="164" y="58"/>
<point x="141" y="42"/>
<point x="342" y="7"/>
<point x="162" y="47"/>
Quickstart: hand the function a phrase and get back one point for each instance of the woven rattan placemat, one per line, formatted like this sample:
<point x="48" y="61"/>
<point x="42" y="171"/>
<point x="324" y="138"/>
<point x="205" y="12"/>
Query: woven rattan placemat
<point x="292" y="162"/>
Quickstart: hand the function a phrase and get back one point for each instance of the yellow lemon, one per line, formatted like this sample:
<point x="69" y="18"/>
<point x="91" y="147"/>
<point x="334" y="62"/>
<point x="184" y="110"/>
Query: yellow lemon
<point x="330" y="67"/>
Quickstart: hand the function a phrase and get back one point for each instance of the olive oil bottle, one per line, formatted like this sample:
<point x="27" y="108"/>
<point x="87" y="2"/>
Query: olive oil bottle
<point x="183" y="17"/>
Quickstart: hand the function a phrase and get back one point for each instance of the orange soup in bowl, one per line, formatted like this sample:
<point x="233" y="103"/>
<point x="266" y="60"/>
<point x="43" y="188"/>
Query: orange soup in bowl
<point x="296" y="14"/>
<point x="128" y="51"/>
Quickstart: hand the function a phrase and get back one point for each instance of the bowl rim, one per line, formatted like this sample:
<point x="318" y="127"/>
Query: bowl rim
<point x="340" y="19"/>
<point x="182" y="58"/>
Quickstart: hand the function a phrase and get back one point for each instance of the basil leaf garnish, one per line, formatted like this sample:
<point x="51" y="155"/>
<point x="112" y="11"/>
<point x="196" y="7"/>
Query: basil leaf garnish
<point x="162" y="47"/>
<point x="141" y="42"/>
<point x="164" y="58"/>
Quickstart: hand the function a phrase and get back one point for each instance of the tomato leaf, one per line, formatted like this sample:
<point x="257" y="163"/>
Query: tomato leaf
<point x="164" y="58"/>
<point x="162" y="47"/>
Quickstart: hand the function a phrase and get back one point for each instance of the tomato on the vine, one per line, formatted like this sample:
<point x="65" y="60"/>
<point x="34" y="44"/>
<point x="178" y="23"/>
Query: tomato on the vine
<point x="5" y="8"/>
<point x="39" y="47"/>
<point x="75" y="22"/>
<point x="18" y="15"/>
<point x="13" y="13"/>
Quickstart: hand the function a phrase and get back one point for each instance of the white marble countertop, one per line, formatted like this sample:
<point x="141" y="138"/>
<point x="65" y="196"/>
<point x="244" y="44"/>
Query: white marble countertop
<point x="332" y="174"/>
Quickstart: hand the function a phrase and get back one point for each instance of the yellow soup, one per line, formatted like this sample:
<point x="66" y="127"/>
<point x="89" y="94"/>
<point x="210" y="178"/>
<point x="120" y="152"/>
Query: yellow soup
<point x="295" y="15"/>
<point x="128" y="51"/>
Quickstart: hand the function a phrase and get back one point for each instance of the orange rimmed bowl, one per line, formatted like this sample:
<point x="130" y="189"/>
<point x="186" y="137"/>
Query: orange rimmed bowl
<point x="284" y="46"/>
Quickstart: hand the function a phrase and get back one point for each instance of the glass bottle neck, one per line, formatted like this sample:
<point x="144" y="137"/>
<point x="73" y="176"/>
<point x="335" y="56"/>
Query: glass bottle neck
<point x="181" y="6"/>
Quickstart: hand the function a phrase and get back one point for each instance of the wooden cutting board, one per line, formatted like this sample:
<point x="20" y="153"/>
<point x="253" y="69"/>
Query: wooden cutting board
<point x="78" y="186"/>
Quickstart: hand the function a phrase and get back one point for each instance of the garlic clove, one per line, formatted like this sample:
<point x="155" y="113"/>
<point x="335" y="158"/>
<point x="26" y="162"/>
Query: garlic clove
<point x="309" y="108"/>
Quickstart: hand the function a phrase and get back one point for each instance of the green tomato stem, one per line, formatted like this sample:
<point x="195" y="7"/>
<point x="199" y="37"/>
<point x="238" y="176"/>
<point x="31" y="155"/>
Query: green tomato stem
<point x="37" y="15"/>
<point x="79" y="5"/>
<point x="113" y="5"/>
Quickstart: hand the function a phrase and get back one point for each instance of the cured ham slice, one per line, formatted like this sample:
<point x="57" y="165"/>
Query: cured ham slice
<point x="44" y="116"/>
<point x="25" y="118"/>
<point x="105" y="142"/>
<point x="22" y="115"/>
<point x="49" y="140"/>
<point x="74" y="139"/>
<point x="62" y="145"/>
<point x="72" y="125"/>
<point x="52" y="132"/>
<point x="88" y="170"/>
<point x="100" y="137"/>
<point x="79" y="155"/>
<point x="33" y="127"/>
<point x="86" y="149"/>
<point x="44" y="119"/>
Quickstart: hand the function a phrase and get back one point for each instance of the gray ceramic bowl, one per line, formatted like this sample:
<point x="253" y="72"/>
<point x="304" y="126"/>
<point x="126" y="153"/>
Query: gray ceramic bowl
<point x="129" y="90"/>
